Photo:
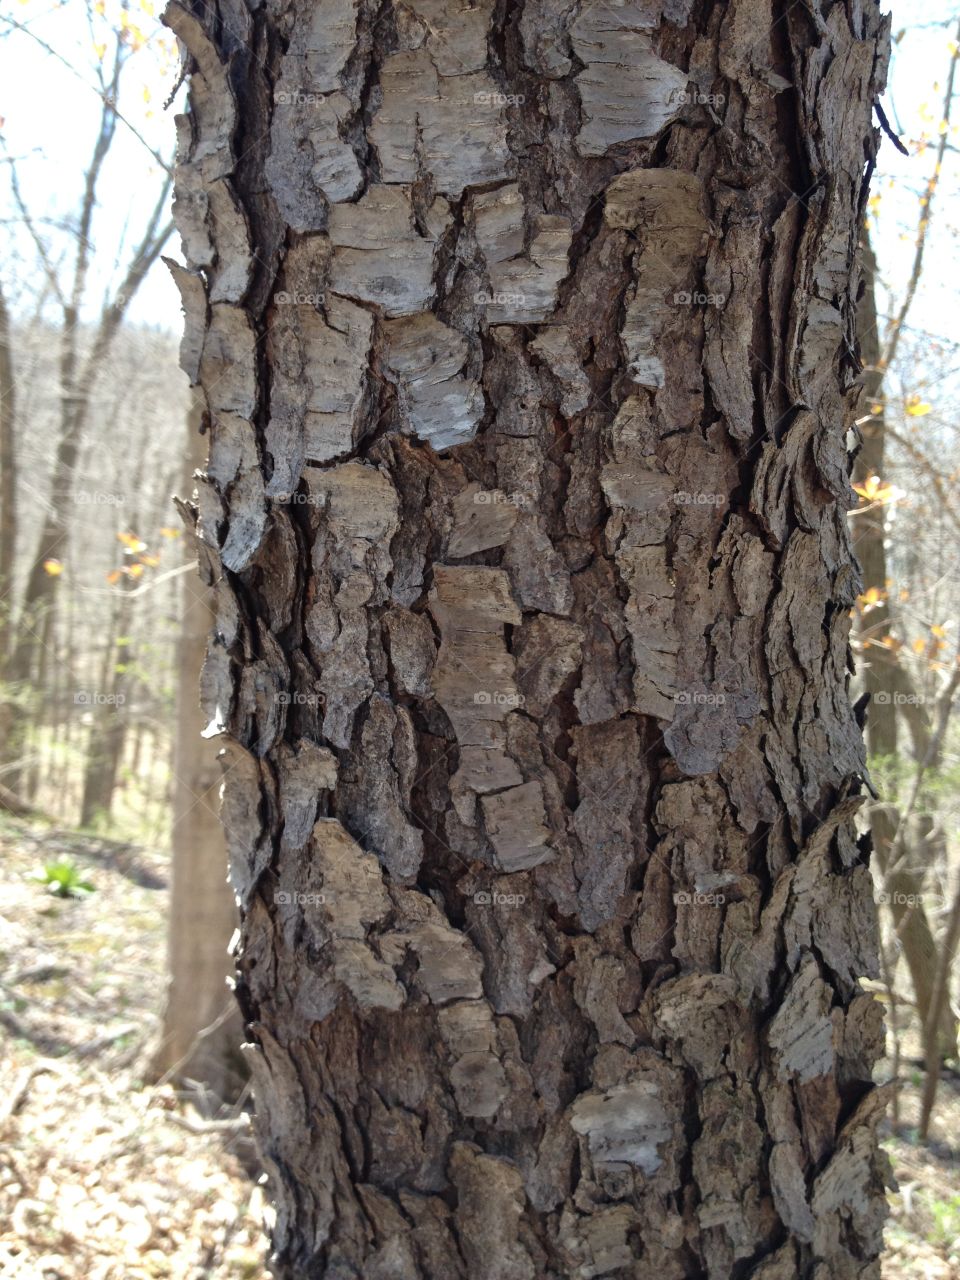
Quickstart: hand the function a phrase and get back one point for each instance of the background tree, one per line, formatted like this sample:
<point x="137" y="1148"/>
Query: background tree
<point x="527" y="342"/>
<point x="202" y="1030"/>
<point x="80" y="365"/>
<point x="8" y="516"/>
<point x="96" y="450"/>
<point x="906" y="526"/>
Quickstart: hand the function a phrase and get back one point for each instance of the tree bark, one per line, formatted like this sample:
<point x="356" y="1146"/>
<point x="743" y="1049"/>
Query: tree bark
<point x="528" y="345"/>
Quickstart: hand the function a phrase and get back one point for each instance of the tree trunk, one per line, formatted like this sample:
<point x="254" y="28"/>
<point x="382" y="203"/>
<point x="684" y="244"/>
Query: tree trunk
<point x="31" y="648"/>
<point x="8" y="482"/>
<point x="527" y="337"/>
<point x="109" y="715"/>
<point x="202" y="1030"/>
<point x="8" y="513"/>
<point x="889" y="687"/>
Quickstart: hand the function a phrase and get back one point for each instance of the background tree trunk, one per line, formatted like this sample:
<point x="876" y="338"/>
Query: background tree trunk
<point x="8" y="481"/>
<point x="8" y="512"/>
<point x="884" y="679"/>
<point x="202" y="1029"/>
<point x="527" y="362"/>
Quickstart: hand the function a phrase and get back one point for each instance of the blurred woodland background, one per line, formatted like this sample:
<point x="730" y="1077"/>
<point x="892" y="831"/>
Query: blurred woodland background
<point x="124" y="1148"/>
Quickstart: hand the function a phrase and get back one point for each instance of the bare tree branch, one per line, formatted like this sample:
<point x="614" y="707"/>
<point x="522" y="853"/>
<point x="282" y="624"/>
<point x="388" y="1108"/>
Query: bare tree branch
<point x="13" y="24"/>
<point x="893" y="335"/>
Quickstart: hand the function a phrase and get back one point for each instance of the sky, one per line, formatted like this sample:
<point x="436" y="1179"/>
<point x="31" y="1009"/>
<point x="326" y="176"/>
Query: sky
<point x="914" y="105"/>
<point x="50" y="118"/>
<point x="50" y="115"/>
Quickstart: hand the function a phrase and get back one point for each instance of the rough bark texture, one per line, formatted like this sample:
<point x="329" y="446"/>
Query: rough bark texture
<point x="528" y="343"/>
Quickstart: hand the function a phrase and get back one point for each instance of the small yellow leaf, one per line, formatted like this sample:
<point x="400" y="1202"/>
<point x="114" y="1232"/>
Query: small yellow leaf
<point x="150" y="561"/>
<point x="873" y="489"/>
<point x="131" y="541"/>
<point x="918" y="408"/>
<point x="871" y="599"/>
<point x="114" y="576"/>
<point x="53" y="567"/>
<point x="134" y="570"/>
<point x="132" y="34"/>
<point x="167" y="532"/>
<point x="919" y="645"/>
<point x="939" y="632"/>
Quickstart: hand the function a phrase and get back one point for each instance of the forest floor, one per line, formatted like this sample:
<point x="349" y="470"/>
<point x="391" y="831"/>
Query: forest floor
<point x="103" y="1177"/>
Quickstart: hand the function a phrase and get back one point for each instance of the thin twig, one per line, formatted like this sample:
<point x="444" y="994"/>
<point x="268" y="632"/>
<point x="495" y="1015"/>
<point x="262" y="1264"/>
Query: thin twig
<point x="893" y="336"/>
<point x="101" y="93"/>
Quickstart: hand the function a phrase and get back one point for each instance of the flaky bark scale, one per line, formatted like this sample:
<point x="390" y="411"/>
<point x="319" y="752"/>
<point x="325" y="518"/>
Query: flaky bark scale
<point x="528" y="343"/>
